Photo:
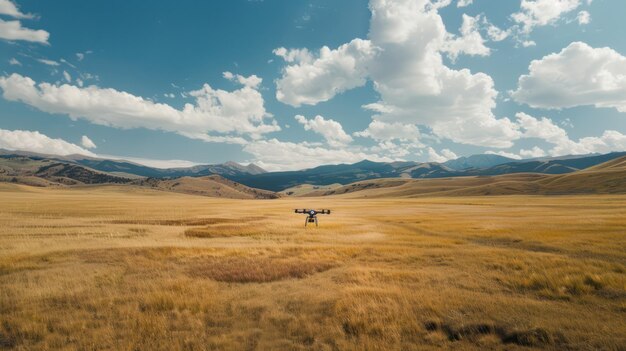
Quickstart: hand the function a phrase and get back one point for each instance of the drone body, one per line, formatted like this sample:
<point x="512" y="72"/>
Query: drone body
<point x="311" y="215"/>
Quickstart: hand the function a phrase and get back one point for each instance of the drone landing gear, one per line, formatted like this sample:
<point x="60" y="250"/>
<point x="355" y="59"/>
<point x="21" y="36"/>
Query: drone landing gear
<point x="311" y="220"/>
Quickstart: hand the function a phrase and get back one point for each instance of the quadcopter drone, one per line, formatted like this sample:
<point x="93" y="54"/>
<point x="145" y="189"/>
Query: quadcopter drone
<point x="311" y="215"/>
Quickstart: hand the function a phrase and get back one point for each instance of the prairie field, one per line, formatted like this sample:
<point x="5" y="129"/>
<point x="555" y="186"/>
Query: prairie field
<point x="123" y="268"/>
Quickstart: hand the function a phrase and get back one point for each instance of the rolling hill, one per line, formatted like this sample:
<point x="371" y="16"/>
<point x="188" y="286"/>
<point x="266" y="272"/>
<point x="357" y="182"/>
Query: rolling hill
<point x="41" y="172"/>
<point x="605" y="178"/>
<point x="211" y="186"/>
<point x="132" y="170"/>
<point x="366" y="170"/>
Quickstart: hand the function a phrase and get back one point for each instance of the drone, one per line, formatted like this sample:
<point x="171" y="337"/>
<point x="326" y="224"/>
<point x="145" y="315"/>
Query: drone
<point x="311" y="215"/>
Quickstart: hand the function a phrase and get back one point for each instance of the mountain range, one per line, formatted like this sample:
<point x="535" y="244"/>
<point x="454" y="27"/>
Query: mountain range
<point x="477" y="165"/>
<point x="234" y="180"/>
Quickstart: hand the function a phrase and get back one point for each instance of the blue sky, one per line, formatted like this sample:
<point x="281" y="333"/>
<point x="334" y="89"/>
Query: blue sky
<point x="294" y="84"/>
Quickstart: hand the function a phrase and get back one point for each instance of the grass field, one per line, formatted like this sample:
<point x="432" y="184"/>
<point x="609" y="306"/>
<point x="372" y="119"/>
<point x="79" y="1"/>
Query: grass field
<point x="123" y="268"/>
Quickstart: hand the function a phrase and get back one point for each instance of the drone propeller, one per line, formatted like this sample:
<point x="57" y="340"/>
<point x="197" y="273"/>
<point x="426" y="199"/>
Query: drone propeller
<point x="304" y="210"/>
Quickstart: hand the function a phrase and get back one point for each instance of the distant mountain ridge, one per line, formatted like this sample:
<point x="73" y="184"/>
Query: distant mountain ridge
<point x="123" y="167"/>
<point x="42" y="172"/>
<point x="605" y="178"/>
<point x="477" y="161"/>
<point x="89" y="170"/>
<point x="365" y="170"/>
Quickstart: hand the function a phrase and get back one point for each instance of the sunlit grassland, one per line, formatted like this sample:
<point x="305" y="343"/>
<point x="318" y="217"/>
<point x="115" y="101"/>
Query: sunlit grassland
<point x="125" y="269"/>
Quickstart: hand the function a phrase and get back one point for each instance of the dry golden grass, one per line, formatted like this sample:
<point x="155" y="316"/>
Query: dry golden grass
<point x="121" y="268"/>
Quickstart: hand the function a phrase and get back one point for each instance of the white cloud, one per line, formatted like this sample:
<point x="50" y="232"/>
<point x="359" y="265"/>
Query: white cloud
<point x="495" y="33"/>
<point x="445" y="155"/>
<point x="253" y="81"/>
<point x="67" y="63"/>
<point x="331" y="130"/>
<point x="382" y="131"/>
<point x="13" y="30"/>
<point x="417" y="88"/>
<point x="470" y="42"/>
<point x="152" y="162"/>
<point x="9" y="8"/>
<point x="309" y="79"/>
<point x="215" y="138"/>
<point x="528" y="43"/>
<point x="578" y="75"/>
<point x="547" y="130"/>
<point x="241" y="111"/>
<point x="535" y="13"/>
<point x="437" y="4"/>
<point x="463" y="3"/>
<point x="532" y="153"/>
<point x="274" y="155"/>
<point x="583" y="17"/>
<point x="14" y="62"/>
<point x="81" y="55"/>
<point x="542" y="128"/>
<point x="609" y="141"/>
<point x="67" y="76"/>
<point x="504" y="154"/>
<point x="48" y="62"/>
<point x="403" y="60"/>
<point x="392" y="149"/>
<point x="87" y="143"/>
<point x="34" y="141"/>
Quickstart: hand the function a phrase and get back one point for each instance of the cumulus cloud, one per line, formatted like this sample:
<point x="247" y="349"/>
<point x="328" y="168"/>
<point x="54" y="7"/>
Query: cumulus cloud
<point x="495" y="33"/>
<point x="13" y="30"/>
<point x="463" y="3"/>
<point x="545" y="129"/>
<point x="532" y="153"/>
<point x="34" y="141"/>
<point x="609" y="141"/>
<point x="275" y="155"/>
<point x="382" y="131"/>
<point x="535" y="13"/>
<point x="14" y="62"/>
<point x="578" y="75"/>
<point x="310" y="79"/>
<point x="9" y="8"/>
<point x="331" y="130"/>
<point x="504" y="154"/>
<point x="403" y="60"/>
<point x="240" y="111"/>
<point x="583" y="17"/>
<point x="153" y="162"/>
<point x="542" y="128"/>
<point x="393" y="149"/>
<point x="470" y="42"/>
<point x="417" y="88"/>
<point x="252" y="81"/>
<point x="87" y="143"/>
<point x="443" y="156"/>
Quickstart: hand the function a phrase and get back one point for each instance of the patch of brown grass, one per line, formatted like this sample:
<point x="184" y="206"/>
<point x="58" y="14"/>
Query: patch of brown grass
<point x="235" y="269"/>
